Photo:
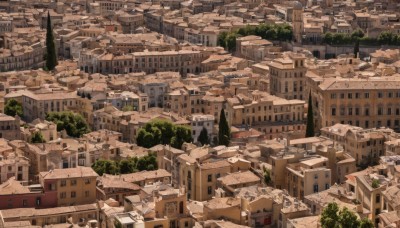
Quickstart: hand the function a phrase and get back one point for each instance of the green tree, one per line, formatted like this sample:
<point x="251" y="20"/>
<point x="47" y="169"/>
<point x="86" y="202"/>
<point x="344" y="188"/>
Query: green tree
<point x="327" y="38"/>
<point x="310" y="118"/>
<point x="182" y="134"/>
<point x="356" y="48"/>
<point x="37" y="137"/>
<point x="375" y="183"/>
<point x="51" y="56"/>
<point x="145" y="139"/>
<point x="387" y="38"/>
<point x="366" y="223"/>
<point x="230" y="41"/>
<point x="148" y="162"/>
<point x="332" y="217"/>
<point x="13" y="108"/>
<point x="74" y="124"/>
<point x="348" y="219"/>
<point x="357" y="34"/>
<point x="267" y="176"/>
<point x="221" y="39"/>
<point x="203" y="137"/>
<point x="126" y="166"/>
<point x="224" y="131"/>
<point x="329" y="215"/>
<point x="128" y="108"/>
<point x="163" y="132"/>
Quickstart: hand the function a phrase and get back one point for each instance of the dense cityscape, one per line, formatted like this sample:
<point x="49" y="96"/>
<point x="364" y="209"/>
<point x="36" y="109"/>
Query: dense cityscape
<point x="199" y="113"/>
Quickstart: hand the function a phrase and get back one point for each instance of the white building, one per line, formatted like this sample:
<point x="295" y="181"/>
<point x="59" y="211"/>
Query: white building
<point x="200" y="121"/>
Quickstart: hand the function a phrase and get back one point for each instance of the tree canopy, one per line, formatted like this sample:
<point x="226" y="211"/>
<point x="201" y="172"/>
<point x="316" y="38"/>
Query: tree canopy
<point x="130" y="165"/>
<point x="37" y="137"/>
<point x="358" y="37"/>
<point x="331" y="216"/>
<point x="13" y="108"/>
<point x="51" y="55"/>
<point x="74" y="124"/>
<point x="224" y="131"/>
<point x="266" y="31"/>
<point x="203" y="137"/>
<point x="163" y="132"/>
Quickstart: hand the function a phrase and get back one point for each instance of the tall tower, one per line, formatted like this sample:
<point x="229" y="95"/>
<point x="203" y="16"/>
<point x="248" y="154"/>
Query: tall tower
<point x="297" y="21"/>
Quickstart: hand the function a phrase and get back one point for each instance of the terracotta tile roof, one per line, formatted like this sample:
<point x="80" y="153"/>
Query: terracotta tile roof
<point x="80" y="171"/>
<point x="239" y="178"/>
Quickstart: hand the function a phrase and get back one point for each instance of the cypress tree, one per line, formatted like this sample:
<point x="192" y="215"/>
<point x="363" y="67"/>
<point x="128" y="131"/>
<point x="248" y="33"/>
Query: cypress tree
<point x="356" y="48"/>
<point x="224" y="131"/>
<point x="51" y="56"/>
<point x="203" y="137"/>
<point x="310" y="119"/>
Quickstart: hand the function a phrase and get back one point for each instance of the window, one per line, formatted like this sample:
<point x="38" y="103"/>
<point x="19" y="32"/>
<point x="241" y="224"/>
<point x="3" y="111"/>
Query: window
<point x="366" y="95"/>
<point x="63" y="195"/>
<point x="316" y="176"/>
<point x="380" y="111"/>
<point x="333" y="95"/>
<point x="52" y="187"/>
<point x="209" y="190"/>
<point x="315" y="188"/>
<point x="367" y="111"/>
<point x="73" y="194"/>
<point x="333" y="111"/>
<point x="357" y="95"/>
<point x="73" y="182"/>
<point x="349" y="95"/>
<point x="87" y="193"/>
<point x="377" y="211"/>
<point x="342" y="96"/>
<point x="378" y="198"/>
<point x="326" y="186"/>
<point x="63" y="183"/>
<point x="380" y="94"/>
<point x="209" y="178"/>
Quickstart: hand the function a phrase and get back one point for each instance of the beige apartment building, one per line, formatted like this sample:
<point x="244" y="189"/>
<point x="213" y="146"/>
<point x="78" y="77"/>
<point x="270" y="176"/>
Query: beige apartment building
<point x="307" y="177"/>
<point x="37" y="105"/>
<point x="14" y="166"/>
<point x="365" y="103"/>
<point x="22" y="57"/>
<point x="266" y="113"/>
<point x="73" y="186"/>
<point x="130" y="21"/>
<point x="200" y="180"/>
<point x="171" y="203"/>
<point x="254" y="48"/>
<point x="191" y="100"/>
<point x="370" y="196"/>
<point x="10" y="127"/>
<point x="364" y="145"/>
<point x="30" y="217"/>
<point x="287" y="76"/>
<point x="183" y="61"/>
